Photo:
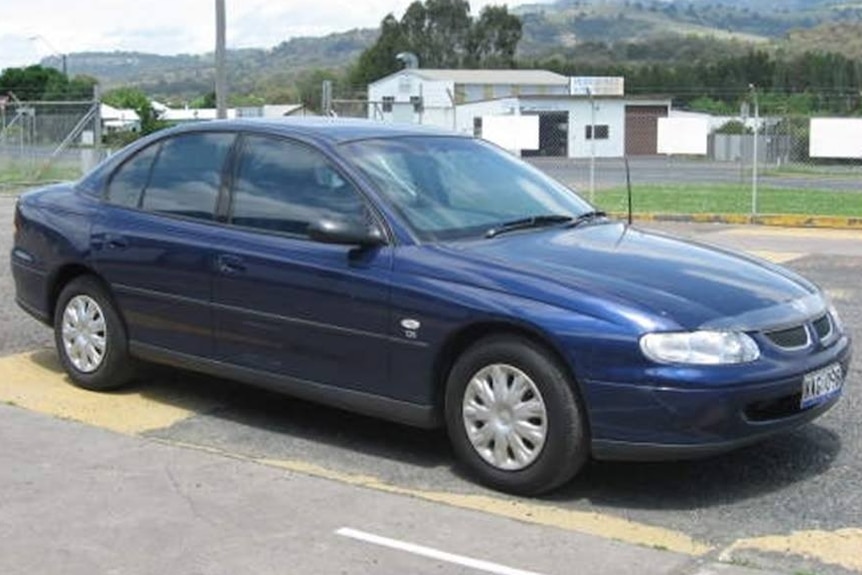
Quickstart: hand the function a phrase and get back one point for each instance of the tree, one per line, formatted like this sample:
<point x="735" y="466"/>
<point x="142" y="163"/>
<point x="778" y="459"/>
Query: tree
<point x="438" y="32"/>
<point x="379" y="60"/>
<point x="443" y="35"/>
<point x="494" y="38"/>
<point x="135" y="99"/>
<point x="37" y="83"/>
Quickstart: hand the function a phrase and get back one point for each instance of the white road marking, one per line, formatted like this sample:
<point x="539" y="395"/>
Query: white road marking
<point x="432" y="553"/>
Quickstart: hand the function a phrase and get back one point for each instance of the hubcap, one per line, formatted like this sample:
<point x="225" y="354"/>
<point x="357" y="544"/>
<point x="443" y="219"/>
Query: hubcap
<point x="505" y="417"/>
<point x="84" y="333"/>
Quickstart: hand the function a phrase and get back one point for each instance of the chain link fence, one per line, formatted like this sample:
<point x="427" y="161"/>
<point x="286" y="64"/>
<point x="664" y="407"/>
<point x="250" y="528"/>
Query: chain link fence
<point x="43" y="142"/>
<point x="746" y="166"/>
<point x="750" y="168"/>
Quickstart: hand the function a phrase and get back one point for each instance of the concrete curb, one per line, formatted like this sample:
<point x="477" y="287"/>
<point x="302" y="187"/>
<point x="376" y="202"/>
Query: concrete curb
<point x="778" y="220"/>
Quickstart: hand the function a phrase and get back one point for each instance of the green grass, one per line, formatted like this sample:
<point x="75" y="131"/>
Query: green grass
<point x="730" y="199"/>
<point x="18" y="173"/>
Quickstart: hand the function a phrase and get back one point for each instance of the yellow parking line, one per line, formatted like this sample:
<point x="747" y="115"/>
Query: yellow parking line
<point x="591" y="523"/>
<point x="36" y="381"/>
<point x="824" y="233"/>
<point x="776" y="257"/>
<point x="842" y="547"/>
<point x="844" y="295"/>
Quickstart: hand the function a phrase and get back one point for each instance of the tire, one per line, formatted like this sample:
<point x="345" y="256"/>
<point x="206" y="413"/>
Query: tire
<point x="535" y="436"/>
<point x="90" y="337"/>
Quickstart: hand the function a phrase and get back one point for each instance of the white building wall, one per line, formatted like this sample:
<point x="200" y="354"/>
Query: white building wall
<point x="611" y="113"/>
<point x="405" y="85"/>
<point x="466" y="113"/>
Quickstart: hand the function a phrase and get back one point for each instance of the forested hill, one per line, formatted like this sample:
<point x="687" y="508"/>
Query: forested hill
<point x="571" y="22"/>
<point x="600" y="32"/>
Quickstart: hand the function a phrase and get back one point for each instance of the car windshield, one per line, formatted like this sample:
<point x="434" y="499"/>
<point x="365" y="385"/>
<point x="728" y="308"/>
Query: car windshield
<point x="451" y="187"/>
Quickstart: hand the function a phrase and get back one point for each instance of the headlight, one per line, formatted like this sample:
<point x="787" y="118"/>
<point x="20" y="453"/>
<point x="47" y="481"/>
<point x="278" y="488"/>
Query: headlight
<point x="836" y="319"/>
<point x="700" y="347"/>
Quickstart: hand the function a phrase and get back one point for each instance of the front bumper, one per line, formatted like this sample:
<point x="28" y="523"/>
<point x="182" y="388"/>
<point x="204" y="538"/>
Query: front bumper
<point x="649" y="423"/>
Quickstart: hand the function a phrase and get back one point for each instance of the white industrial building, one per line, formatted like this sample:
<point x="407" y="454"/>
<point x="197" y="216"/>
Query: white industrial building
<point x="567" y="110"/>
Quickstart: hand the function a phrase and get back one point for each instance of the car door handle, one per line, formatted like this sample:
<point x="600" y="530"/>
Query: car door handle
<point x="228" y="264"/>
<point x="115" y="242"/>
<point x="109" y="241"/>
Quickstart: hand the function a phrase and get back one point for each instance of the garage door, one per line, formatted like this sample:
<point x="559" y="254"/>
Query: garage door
<point x="642" y="129"/>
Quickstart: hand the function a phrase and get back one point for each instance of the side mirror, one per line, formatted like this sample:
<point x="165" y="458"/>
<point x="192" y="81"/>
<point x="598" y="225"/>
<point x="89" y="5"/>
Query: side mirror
<point x="346" y="232"/>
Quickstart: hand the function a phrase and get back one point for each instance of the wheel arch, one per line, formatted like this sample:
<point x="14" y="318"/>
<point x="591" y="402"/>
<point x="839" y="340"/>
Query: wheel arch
<point x="458" y="342"/>
<point x="63" y="276"/>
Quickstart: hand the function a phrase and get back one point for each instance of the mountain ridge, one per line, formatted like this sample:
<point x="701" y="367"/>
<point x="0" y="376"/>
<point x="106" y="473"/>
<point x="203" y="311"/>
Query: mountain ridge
<point x="564" y="29"/>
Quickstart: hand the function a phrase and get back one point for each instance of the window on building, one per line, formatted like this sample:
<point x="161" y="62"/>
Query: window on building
<point x="602" y="132"/>
<point x="417" y="104"/>
<point x="387" y="103"/>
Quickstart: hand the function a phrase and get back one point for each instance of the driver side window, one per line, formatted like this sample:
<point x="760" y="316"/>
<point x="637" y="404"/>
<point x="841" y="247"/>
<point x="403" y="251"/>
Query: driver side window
<point x="283" y="186"/>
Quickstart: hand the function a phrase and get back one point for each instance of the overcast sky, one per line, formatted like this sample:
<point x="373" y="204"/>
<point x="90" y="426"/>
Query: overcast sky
<point x="33" y="29"/>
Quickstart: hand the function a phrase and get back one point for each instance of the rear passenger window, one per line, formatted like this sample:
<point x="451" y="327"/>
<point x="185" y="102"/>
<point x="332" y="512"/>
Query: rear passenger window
<point x="283" y="186"/>
<point x="131" y="178"/>
<point x="186" y="176"/>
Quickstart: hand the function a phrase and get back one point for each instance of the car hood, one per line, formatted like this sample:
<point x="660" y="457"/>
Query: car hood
<point x="672" y="281"/>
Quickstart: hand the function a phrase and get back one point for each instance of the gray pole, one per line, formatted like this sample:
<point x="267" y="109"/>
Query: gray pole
<point x="326" y="98"/>
<point x="97" y="121"/>
<point x="592" y="144"/>
<point x="220" y="71"/>
<point x="754" y="159"/>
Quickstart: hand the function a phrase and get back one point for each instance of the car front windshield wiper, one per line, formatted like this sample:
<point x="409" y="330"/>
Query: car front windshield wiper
<point x="530" y="222"/>
<point x="587" y="217"/>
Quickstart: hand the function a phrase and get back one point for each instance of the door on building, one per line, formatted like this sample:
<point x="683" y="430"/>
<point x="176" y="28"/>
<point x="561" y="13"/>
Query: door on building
<point x="642" y="129"/>
<point x="553" y="135"/>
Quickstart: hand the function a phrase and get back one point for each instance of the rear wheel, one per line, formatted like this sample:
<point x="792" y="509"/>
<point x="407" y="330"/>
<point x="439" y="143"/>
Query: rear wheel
<point x="90" y="338"/>
<point x="513" y="416"/>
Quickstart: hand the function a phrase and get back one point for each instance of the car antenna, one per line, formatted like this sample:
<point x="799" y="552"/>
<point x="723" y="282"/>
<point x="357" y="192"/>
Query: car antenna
<point x="628" y="187"/>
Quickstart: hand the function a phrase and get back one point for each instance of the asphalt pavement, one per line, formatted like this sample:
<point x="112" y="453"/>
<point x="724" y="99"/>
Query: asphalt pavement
<point x="78" y="499"/>
<point x="651" y="170"/>
<point x="267" y="481"/>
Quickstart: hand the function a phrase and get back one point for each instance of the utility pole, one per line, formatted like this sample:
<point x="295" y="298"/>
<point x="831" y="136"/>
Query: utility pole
<point x="220" y="69"/>
<point x="592" y="144"/>
<point x="753" y="89"/>
<point x="64" y="65"/>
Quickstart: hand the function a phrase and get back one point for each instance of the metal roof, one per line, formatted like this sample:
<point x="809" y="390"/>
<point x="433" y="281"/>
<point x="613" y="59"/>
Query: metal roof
<point x="521" y="77"/>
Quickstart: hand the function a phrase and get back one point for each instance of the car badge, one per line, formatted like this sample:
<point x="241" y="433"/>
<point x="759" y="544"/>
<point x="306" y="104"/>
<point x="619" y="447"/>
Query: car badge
<point x="411" y="327"/>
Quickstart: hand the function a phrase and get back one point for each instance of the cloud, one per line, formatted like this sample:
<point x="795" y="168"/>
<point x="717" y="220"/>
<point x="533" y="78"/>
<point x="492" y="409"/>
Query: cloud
<point x="174" y="26"/>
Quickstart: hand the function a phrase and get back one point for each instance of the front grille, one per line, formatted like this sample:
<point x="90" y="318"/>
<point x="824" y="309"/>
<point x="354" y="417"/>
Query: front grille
<point x="823" y="327"/>
<point x="792" y="338"/>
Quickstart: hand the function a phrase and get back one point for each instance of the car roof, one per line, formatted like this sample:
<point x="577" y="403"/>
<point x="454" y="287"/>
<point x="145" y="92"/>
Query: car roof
<point x="333" y="130"/>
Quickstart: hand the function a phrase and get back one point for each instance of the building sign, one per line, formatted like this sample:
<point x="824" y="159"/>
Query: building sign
<point x="597" y="85"/>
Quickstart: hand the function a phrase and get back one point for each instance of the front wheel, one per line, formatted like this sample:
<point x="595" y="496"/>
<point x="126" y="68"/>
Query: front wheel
<point x="513" y="416"/>
<point x="90" y="338"/>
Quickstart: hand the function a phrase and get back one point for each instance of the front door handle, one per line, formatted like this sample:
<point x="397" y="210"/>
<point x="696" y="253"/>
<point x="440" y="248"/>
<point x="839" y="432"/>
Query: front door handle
<point x="109" y="241"/>
<point x="116" y="242"/>
<point x="228" y="264"/>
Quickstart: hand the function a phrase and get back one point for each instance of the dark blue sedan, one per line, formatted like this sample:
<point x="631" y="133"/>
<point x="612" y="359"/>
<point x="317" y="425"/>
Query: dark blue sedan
<point x="426" y="278"/>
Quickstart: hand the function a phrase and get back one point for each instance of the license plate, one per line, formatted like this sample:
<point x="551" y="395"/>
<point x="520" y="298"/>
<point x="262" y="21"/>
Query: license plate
<point x="820" y="385"/>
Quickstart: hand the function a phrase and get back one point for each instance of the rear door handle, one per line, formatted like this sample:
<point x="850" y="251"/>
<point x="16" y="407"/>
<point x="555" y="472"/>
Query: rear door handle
<point x="228" y="264"/>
